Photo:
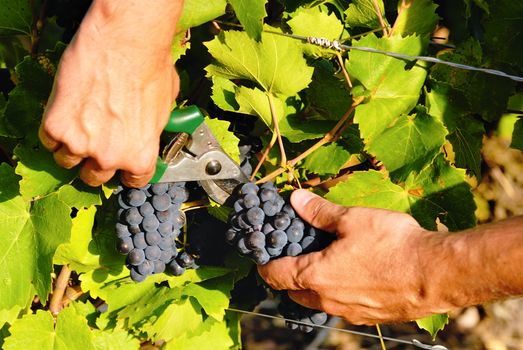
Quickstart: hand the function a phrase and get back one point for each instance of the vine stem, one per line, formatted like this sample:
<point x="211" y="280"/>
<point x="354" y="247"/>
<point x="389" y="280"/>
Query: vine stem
<point x="329" y="137"/>
<point x="404" y="5"/>
<point x="55" y="306"/>
<point x="382" y="343"/>
<point x="380" y="17"/>
<point x="274" y="117"/>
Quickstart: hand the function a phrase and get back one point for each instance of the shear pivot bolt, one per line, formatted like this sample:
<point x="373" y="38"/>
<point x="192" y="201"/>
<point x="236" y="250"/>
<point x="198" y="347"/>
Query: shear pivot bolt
<point x="213" y="167"/>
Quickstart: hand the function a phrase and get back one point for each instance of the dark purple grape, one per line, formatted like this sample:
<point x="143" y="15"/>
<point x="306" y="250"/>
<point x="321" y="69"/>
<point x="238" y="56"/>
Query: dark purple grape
<point x="146" y="209"/>
<point x="146" y="268"/>
<point x="309" y="244"/>
<point x="242" y="248"/>
<point x="136" y="276"/>
<point x="255" y="216"/>
<point x="238" y="205"/>
<point x="152" y="252"/>
<point x="186" y="260"/>
<point x="159" y="188"/>
<point x="319" y="318"/>
<point x="136" y="257"/>
<point x="251" y="200"/>
<point x="121" y="202"/>
<point x="249" y="187"/>
<point x="294" y="234"/>
<point x="261" y="256"/>
<point x="153" y="237"/>
<point x="298" y="222"/>
<point x="122" y="230"/>
<point x="178" y="194"/>
<point x="164" y="216"/>
<point x="159" y="266"/>
<point x="274" y="252"/>
<point x="125" y="245"/>
<point x="135" y="197"/>
<point x="231" y="235"/>
<point x="175" y="269"/>
<point x="179" y="220"/>
<point x="267" y="194"/>
<point x="150" y="223"/>
<point x="270" y="208"/>
<point x="139" y="240"/>
<point x="132" y="216"/>
<point x="281" y="221"/>
<point x="167" y="255"/>
<point x="267" y="228"/>
<point x="161" y="202"/>
<point x="255" y="240"/>
<point x="134" y="229"/>
<point x="287" y="208"/>
<point x="293" y="249"/>
<point x="277" y="239"/>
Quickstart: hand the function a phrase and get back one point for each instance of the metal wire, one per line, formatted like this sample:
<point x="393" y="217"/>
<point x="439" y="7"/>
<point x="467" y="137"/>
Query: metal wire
<point x="413" y="342"/>
<point x="336" y="45"/>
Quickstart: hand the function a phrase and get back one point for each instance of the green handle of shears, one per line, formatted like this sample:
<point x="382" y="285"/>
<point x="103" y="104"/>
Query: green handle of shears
<point x="184" y="120"/>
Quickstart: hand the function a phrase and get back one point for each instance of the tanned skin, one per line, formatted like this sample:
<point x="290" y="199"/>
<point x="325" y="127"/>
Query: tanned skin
<point x="384" y="267"/>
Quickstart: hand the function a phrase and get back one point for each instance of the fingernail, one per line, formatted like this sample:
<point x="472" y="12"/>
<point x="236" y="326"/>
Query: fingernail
<point x="302" y="197"/>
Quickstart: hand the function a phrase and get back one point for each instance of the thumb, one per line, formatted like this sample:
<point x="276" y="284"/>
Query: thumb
<point x="317" y="211"/>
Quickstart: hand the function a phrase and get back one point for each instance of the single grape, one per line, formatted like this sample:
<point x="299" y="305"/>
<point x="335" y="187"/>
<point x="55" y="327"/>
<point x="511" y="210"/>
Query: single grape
<point x="309" y="244"/>
<point x="152" y="237"/>
<point x="274" y="252"/>
<point x="135" y="197"/>
<point x="281" y="221"/>
<point x="293" y="249"/>
<point x="179" y="220"/>
<point x="267" y="228"/>
<point x="319" y="318"/>
<point x="139" y="240"/>
<point x="312" y="232"/>
<point x="136" y="257"/>
<point x="255" y="240"/>
<point x="164" y="216"/>
<point x="134" y="229"/>
<point x="159" y="188"/>
<point x="146" y="268"/>
<point x="287" y="208"/>
<point x="136" y="276"/>
<point x="132" y="216"/>
<point x="270" y="208"/>
<point x="153" y="252"/>
<point x="122" y="230"/>
<point x="150" y="223"/>
<point x="166" y="243"/>
<point x="251" y="200"/>
<point x="249" y="187"/>
<point x="238" y="205"/>
<point x="178" y="194"/>
<point x="261" y="256"/>
<point x="121" y="202"/>
<point x="165" y="228"/>
<point x="125" y="245"/>
<point x="277" y="239"/>
<point x="186" y="260"/>
<point x="146" y="209"/>
<point x="294" y="233"/>
<point x="244" y="149"/>
<point x="167" y="255"/>
<point x="243" y="222"/>
<point x="246" y="167"/>
<point x="159" y="267"/>
<point x="161" y="202"/>
<point x="231" y="235"/>
<point x="267" y="194"/>
<point x="255" y="216"/>
<point x="298" y="222"/>
<point x="242" y="248"/>
<point x="175" y="269"/>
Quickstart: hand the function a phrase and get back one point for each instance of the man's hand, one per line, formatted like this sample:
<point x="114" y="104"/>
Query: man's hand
<point x="113" y="92"/>
<point x="373" y="273"/>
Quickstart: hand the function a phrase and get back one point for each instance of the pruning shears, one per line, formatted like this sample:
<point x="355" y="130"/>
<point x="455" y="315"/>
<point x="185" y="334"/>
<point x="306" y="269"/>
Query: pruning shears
<point x="194" y="154"/>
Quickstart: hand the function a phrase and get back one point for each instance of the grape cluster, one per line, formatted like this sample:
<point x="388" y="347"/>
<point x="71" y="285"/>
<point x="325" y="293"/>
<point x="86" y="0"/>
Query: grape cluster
<point x="149" y="223"/>
<point x="294" y="311"/>
<point x="264" y="227"/>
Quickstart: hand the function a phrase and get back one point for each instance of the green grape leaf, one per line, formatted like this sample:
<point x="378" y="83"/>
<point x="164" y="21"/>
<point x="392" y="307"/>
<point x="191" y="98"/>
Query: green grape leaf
<point x="220" y="212"/>
<point x="409" y="143"/>
<point x="517" y="135"/>
<point x="502" y="41"/>
<point x="223" y="94"/>
<point x="328" y="95"/>
<point x="394" y="89"/>
<point x="80" y="195"/>
<point x="419" y="17"/>
<point x="433" y="324"/>
<point x="227" y="140"/>
<point x="328" y="159"/>
<point x="38" y="331"/>
<point x="486" y="94"/>
<point x="15" y="17"/>
<point x="210" y="334"/>
<point x="256" y="102"/>
<point x="297" y="128"/>
<point x="40" y="174"/>
<point x="177" y="321"/>
<point x="316" y="22"/>
<point x="275" y="64"/>
<point x="465" y="133"/>
<point x="439" y="191"/>
<point x="213" y="295"/>
<point x="197" y="12"/>
<point x="362" y="13"/>
<point x="250" y="14"/>
<point x="117" y="339"/>
<point x="76" y="253"/>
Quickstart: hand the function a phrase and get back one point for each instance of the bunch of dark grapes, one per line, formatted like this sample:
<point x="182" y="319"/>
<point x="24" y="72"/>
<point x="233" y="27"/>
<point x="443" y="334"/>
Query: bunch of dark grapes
<point x="264" y="226"/>
<point x="149" y="224"/>
<point x="248" y="148"/>
<point x="294" y="311"/>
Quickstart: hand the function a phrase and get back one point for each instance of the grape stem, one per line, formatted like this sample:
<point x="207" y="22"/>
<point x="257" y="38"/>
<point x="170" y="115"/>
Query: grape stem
<point x="56" y="305"/>
<point x="344" y="71"/>
<point x="283" y="156"/>
<point x="264" y="156"/>
<point x="331" y="136"/>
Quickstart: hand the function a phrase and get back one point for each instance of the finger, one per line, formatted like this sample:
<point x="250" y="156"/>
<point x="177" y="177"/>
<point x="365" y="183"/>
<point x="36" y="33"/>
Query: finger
<point x="317" y="211"/>
<point x="91" y="174"/>
<point x="292" y="273"/>
<point x="130" y="179"/>
<point x="48" y="142"/>
<point x="306" y="298"/>
<point x="65" y="158"/>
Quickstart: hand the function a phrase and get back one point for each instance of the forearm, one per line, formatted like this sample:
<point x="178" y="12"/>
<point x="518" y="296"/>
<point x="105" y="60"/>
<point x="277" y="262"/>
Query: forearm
<point x="476" y="266"/>
<point x="137" y="23"/>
